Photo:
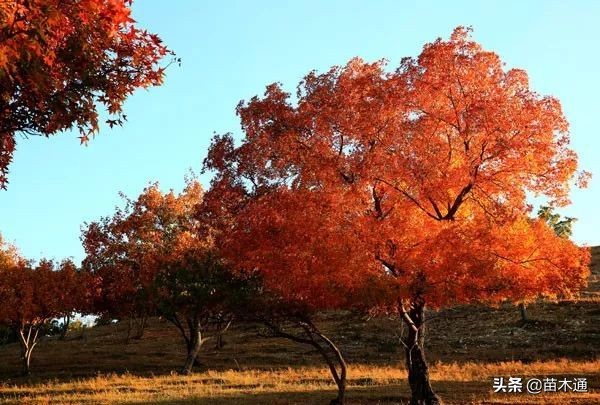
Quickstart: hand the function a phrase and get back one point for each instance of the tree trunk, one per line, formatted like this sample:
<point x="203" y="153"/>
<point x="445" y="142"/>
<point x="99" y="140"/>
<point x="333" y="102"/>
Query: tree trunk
<point x="65" y="327"/>
<point x="418" y="371"/>
<point x="325" y="347"/>
<point x="194" y="343"/>
<point x="219" y="342"/>
<point x="523" y="312"/>
<point x="338" y="377"/>
<point x="25" y="360"/>
<point x="129" y="328"/>
<point x="141" y="324"/>
<point x="28" y="340"/>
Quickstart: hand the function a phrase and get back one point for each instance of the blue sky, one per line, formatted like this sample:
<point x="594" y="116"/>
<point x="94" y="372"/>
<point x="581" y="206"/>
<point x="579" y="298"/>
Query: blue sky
<point x="232" y="49"/>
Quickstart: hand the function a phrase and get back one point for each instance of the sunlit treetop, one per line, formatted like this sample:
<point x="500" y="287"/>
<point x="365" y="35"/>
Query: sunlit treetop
<point x="9" y="255"/>
<point x="419" y="175"/>
<point x="127" y="250"/>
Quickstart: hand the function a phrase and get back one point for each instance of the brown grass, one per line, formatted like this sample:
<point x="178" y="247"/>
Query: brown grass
<point x="467" y="347"/>
<point x="457" y="383"/>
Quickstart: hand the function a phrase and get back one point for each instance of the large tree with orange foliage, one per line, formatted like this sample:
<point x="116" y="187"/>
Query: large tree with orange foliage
<point x="414" y="180"/>
<point x="60" y="59"/>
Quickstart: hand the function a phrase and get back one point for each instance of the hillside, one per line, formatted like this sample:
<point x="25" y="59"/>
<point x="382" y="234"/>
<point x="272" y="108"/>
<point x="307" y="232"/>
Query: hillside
<point x="467" y="347"/>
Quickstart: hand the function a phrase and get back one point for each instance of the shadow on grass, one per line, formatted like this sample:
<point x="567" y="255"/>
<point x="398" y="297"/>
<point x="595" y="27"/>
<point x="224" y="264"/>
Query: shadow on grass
<point x="451" y="392"/>
<point x="372" y="395"/>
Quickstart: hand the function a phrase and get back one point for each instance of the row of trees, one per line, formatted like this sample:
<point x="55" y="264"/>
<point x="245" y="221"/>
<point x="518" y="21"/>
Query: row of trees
<point x="34" y="294"/>
<point x="372" y="190"/>
<point x="60" y="61"/>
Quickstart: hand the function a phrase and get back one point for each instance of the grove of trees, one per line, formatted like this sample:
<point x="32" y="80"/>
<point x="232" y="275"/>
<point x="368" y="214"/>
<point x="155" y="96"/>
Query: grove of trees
<point x="33" y="294"/>
<point x="375" y="190"/>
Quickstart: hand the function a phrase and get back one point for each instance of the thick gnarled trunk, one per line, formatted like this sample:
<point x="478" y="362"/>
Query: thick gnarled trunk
<point x="418" y="371"/>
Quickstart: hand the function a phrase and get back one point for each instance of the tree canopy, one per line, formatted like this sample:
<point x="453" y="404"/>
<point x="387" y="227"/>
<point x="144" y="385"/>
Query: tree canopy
<point x="418" y="175"/>
<point x="60" y="59"/>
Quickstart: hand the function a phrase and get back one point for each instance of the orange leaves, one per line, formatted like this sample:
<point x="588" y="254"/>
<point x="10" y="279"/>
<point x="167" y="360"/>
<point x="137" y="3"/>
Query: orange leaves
<point x="126" y="252"/>
<point x="9" y="255"/>
<point x="60" y="60"/>
<point x="416" y="177"/>
<point x="33" y="294"/>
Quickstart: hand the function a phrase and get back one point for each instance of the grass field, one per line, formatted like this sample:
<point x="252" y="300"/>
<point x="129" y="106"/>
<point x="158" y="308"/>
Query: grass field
<point x="467" y="347"/>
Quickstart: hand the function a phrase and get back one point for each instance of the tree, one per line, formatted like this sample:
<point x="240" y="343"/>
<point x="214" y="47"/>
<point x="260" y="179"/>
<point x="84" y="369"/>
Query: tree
<point x="155" y="257"/>
<point x="563" y="228"/>
<point x="287" y="238"/>
<point x="121" y="259"/>
<point x="33" y="295"/>
<point x="124" y="252"/>
<point x="74" y="291"/>
<point x="9" y="255"/>
<point x="60" y="59"/>
<point x="196" y="293"/>
<point x="293" y="320"/>
<point x="415" y="179"/>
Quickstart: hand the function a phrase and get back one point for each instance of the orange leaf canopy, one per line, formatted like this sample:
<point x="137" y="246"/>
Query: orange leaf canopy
<point x="373" y="186"/>
<point x="126" y="252"/>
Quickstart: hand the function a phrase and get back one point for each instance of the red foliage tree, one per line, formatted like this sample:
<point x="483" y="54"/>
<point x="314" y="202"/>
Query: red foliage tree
<point x="32" y="295"/>
<point x="413" y="180"/>
<point x="60" y="59"/>
<point x="125" y="252"/>
<point x="155" y="257"/>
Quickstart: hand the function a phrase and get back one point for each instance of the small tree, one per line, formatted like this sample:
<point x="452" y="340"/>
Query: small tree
<point x="122" y="281"/>
<point x="73" y="291"/>
<point x="125" y="252"/>
<point x="284" y="239"/>
<point x="294" y="321"/>
<point x="31" y="297"/>
<point x="197" y="293"/>
<point x="563" y="228"/>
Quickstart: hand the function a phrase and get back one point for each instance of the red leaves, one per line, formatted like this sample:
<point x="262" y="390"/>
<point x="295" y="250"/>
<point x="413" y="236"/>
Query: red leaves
<point x="33" y="294"/>
<point x="126" y="252"/>
<point x="60" y="60"/>
<point x="412" y="182"/>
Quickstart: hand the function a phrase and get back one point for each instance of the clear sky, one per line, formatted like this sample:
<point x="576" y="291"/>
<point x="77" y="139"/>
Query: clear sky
<point x="232" y="49"/>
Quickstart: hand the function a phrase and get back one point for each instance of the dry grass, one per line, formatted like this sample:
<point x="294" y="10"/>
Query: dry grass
<point x="467" y="347"/>
<point x="457" y="383"/>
